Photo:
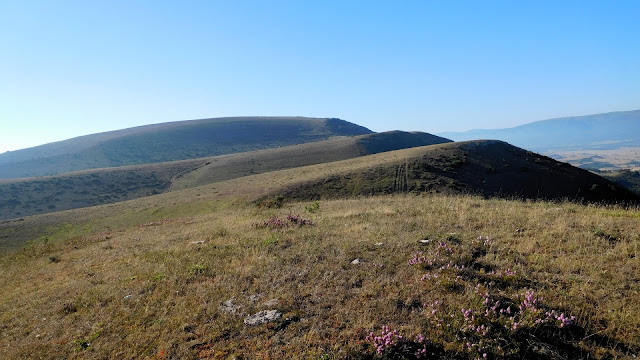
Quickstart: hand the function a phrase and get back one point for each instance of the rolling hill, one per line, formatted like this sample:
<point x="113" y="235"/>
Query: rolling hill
<point x="171" y="141"/>
<point x="395" y="248"/>
<point x="234" y="166"/>
<point x="23" y="197"/>
<point x="488" y="168"/>
<point x="484" y="167"/>
<point x="600" y="131"/>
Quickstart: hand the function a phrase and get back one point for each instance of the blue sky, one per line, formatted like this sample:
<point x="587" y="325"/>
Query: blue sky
<point x="70" y="68"/>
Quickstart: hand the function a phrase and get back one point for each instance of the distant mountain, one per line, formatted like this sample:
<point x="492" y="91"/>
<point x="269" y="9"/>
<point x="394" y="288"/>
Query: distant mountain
<point x="485" y="167"/>
<point x="171" y="141"/>
<point x="23" y="197"/>
<point x="600" y="131"/>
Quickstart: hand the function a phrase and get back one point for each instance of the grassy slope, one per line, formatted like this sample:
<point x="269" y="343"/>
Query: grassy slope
<point x="25" y="197"/>
<point x="449" y="168"/>
<point x="171" y="141"/>
<point x="235" y="166"/>
<point x="145" y="290"/>
<point x="126" y="280"/>
<point x="489" y="168"/>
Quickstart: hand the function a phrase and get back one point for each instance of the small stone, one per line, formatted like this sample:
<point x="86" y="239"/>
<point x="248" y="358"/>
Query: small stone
<point x="424" y="242"/>
<point x="378" y="244"/>
<point x="262" y="317"/>
<point x="198" y="242"/>
<point x="229" y="307"/>
<point x="127" y="297"/>
<point x="356" y="261"/>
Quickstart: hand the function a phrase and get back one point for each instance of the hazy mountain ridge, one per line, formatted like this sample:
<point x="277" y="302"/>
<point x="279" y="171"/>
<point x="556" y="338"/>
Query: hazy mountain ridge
<point x="171" y="141"/>
<point x="599" y="131"/>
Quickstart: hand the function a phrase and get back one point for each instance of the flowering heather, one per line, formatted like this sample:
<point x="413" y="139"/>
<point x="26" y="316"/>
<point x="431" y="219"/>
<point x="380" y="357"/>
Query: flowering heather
<point x="503" y="274"/>
<point x="440" y="257"/>
<point x="529" y="301"/>
<point x="390" y="343"/>
<point x="387" y="339"/>
<point x="485" y="240"/>
<point x="493" y="317"/>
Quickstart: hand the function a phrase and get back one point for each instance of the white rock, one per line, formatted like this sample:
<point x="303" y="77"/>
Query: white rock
<point x="229" y="307"/>
<point x="262" y="317"/>
<point x="356" y="261"/>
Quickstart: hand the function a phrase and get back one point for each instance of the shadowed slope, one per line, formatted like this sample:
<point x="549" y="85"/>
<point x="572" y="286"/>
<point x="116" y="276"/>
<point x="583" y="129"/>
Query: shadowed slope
<point x="486" y="167"/>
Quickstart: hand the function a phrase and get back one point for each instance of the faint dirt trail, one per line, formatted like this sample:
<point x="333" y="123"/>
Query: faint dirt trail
<point x="401" y="180"/>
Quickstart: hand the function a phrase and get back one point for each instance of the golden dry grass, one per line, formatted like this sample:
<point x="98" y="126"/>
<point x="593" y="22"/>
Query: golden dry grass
<point x="150" y="290"/>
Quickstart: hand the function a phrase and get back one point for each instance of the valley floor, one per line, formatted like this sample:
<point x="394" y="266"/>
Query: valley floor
<point x="431" y="276"/>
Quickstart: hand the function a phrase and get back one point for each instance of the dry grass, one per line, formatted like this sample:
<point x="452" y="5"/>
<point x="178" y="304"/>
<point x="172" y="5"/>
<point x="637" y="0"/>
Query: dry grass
<point x="149" y="289"/>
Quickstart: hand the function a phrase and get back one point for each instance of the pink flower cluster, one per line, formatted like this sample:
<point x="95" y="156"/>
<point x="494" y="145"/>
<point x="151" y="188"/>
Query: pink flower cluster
<point x="442" y="252"/>
<point x="486" y="240"/>
<point x="388" y="338"/>
<point x="559" y="318"/>
<point x="530" y="301"/>
<point x="391" y="342"/>
<point x="421" y="340"/>
<point x="503" y="274"/>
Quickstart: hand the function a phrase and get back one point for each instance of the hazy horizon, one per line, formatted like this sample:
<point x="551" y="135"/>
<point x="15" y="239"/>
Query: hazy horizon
<point x="72" y="68"/>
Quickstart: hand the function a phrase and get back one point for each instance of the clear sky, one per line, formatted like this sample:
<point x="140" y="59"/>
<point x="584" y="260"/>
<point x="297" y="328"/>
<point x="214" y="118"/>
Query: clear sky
<point x="70" y="68"/>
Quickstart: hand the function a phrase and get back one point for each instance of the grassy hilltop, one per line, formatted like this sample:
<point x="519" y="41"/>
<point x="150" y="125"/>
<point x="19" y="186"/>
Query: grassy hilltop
<point x="178" y="140"/>
<point x="458" y="276"/>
